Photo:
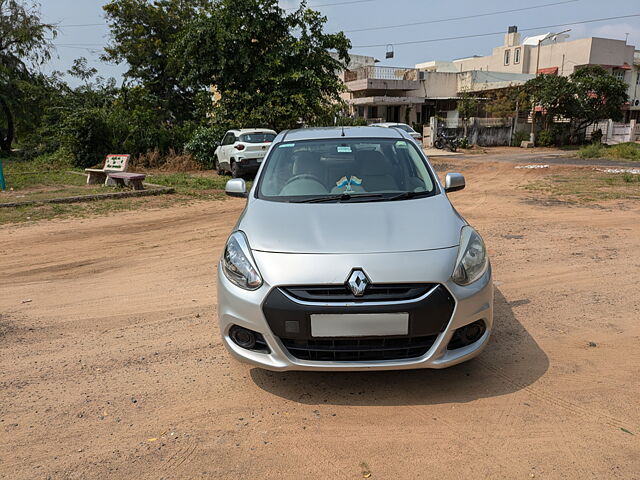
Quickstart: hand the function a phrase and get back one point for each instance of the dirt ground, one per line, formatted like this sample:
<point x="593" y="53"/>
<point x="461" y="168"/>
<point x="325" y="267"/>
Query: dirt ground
<point x="111" y="364"/>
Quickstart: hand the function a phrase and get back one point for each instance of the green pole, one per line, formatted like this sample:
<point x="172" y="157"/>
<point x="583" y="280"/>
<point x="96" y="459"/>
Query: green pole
<point x="3" y="185"/>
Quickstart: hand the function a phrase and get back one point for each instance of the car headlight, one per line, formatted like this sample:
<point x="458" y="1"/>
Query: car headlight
<point x="238" y="264"/>
<point x="472" y="258"/>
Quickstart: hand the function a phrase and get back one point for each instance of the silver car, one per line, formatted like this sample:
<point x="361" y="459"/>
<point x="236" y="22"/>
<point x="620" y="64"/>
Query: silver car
<point x="349" y="256"/>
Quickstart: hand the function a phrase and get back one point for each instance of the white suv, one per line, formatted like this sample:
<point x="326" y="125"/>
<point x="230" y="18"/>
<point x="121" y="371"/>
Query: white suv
<point x="241" y="151"/>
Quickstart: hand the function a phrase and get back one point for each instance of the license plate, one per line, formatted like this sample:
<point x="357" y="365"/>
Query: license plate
<point x="359" y="324"/>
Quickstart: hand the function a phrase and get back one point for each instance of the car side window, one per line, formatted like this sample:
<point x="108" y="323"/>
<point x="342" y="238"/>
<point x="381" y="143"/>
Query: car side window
<point x="228" y="139"/>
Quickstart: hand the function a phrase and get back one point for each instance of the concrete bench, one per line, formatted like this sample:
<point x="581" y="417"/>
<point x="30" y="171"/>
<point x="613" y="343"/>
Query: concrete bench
<point x="134" y="179"/>
<point x="112" y="163"/>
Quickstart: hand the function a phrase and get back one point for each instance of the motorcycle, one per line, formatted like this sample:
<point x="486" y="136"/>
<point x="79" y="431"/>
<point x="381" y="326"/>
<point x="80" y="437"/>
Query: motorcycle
<point x="448" y="141"/>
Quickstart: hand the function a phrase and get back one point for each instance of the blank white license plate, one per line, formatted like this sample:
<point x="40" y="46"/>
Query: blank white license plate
<point x="359" y="324"/>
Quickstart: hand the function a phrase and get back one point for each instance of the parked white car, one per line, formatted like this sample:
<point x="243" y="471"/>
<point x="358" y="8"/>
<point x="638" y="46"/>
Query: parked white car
<point x="241" y="151"/>
<point x="401" y="126"/>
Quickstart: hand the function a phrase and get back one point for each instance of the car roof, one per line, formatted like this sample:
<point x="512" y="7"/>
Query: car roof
<point x="338" y="132"/>
<point x="388" y="124"/>
<point x="252" y="130"/>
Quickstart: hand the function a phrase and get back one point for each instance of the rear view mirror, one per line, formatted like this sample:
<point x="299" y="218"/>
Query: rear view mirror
<point x="236" y="187"/>
<point x="454" y="182"/>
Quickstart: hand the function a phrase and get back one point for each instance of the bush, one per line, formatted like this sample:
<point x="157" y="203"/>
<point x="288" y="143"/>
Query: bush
<point x="626" y="151"/>
<point x="519" y="137"/>
<point x="463" y="142"/>
<point x="594" y="150"/>
<point x="545" y="138"/>
<point x="203" y="144"/>
<point x="85" y="133"/>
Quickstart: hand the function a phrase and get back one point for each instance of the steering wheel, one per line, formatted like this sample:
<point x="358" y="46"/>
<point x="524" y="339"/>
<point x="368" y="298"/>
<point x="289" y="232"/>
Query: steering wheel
<point x="304" y="176"/>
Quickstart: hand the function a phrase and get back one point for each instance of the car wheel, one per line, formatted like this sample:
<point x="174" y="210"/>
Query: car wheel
<point x="235" y="170"/>
<point x="217" y="166"/>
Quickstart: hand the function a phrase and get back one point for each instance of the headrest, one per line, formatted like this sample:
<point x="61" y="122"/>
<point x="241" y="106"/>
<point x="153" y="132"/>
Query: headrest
<point x="372" y="162"/>
<point x="306" y="163"/>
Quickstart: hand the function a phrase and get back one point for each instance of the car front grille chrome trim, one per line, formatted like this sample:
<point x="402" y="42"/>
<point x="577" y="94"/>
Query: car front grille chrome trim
<point x="359" y="304"/>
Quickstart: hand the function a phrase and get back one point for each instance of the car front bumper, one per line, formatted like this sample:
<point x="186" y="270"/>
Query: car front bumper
<point x="246" y="308"/>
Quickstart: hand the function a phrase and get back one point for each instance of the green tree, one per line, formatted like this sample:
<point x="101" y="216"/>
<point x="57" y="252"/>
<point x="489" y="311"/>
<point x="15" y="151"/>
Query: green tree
<point x="505" y="102"/>
<point x="25" y="43"/>
<point x="589" y="94"/>
<point x="555" y="94"/>
<point x="143" y="35"/>
<point x="269" y="68"/>
<point x="599" y="95"/>
<point x="467" y="107"/>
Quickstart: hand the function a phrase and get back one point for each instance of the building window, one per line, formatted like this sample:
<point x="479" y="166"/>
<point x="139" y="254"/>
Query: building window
<point x="619" y="74"/>
<point x="507" y="55"/>
<point x="516" y="55"/>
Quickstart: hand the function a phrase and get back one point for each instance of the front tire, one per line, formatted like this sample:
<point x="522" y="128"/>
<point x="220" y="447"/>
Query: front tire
<point x="438" y="144"/>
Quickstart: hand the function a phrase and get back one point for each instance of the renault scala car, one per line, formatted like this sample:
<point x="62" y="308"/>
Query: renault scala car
<point x="349" y="256"/>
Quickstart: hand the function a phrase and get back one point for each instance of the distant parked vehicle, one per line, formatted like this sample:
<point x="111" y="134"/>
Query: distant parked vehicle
<point x="401" y="126"/>
<point x="241" y="151"/>
<point x="446" y="140"/>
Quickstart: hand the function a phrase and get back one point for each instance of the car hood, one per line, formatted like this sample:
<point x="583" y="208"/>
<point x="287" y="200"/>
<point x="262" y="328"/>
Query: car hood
<point x="368" y="227"/>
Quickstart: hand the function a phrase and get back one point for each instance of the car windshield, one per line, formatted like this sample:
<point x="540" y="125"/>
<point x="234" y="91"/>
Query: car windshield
<point x="257" y="137"/>
<point x="341" y="170"/>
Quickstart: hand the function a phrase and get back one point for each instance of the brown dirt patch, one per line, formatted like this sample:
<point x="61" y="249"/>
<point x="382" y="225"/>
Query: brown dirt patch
<point x="114" y="369"/>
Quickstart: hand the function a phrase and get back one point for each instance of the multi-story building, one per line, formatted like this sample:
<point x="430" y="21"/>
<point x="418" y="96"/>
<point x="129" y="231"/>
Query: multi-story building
<point x="552" y="54"/>
<point x="393" y="94"/>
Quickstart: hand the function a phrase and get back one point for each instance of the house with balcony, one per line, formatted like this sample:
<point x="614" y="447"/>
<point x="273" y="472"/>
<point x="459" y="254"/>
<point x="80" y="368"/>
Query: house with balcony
<point x="383" y="94"/>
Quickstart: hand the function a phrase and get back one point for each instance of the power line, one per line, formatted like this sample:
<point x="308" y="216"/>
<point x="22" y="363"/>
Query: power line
<point x="460" y="18"/>
<point x="332" y="4"/>
<point x="82" y="25"/>
<point x="431" y="40"/>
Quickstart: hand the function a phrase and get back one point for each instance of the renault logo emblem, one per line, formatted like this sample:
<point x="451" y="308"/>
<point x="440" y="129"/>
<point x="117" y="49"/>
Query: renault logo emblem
<point x="357" y="282"/>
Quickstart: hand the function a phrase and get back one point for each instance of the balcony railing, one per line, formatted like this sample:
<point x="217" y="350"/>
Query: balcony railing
<point x="381" y="73"/>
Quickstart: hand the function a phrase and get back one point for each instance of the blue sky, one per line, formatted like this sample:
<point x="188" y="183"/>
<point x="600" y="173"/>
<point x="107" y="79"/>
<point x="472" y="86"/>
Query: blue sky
<point x="75" y="41"/>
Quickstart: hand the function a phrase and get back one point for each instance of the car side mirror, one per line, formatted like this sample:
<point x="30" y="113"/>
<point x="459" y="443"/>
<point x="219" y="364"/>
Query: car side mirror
<point x="454" y="182"/>
<point x="236" y="187"/>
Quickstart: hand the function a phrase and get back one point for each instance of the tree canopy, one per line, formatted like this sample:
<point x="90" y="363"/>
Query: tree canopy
<point x="143" y="36"/>
<point x="587" y="95"/>
<point x="25" y="42"/>
<point x="269" y="68"/>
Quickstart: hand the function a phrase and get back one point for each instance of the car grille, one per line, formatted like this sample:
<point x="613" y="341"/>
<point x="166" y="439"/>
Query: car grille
<point x="359" y="349"/>
<point x="373" y="293"/>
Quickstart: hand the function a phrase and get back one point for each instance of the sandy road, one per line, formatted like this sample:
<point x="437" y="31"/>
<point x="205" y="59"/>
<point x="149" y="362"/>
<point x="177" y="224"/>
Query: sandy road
<point x="114" y="369"/>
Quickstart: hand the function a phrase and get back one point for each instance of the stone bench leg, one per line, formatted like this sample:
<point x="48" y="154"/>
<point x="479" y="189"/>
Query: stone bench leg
<point x="118" y="181"/>
<point x="94" y="178"/>
<point x="137" y="184"/>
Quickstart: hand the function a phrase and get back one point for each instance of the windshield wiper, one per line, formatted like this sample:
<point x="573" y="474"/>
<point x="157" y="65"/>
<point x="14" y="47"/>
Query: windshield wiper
<point x="407" y="195"/>
<point x="343" y="197"/>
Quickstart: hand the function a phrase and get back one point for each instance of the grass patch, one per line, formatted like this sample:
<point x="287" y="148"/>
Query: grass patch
<point x="195" y="184"/>
<point x="622" y="151"/>
<point x="49" y="177"/>
<point x="588" y="187"/>
<point x="31" y="213"/>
